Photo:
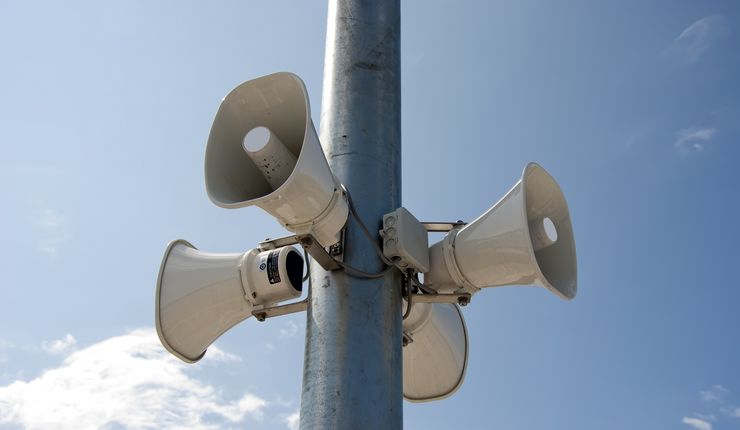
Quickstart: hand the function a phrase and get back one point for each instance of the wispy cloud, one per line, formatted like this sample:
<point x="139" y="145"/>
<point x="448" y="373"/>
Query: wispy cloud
<point x="697" y="423"/>
<point x="127" y="381"/>
<point x="721" y="405"/>
<point x="697" y="38"/>
<point x="54" y="230"/>
<point x="59" y="346"/>
<point x="706" y="417"/>
<point x="693" y="139"/>
<point x="714" y="393"/>
<point x="217" y="355"/>
<point x="708" y="396"/>
<point x="293" y="420"/>
<point x="289" y="330"/>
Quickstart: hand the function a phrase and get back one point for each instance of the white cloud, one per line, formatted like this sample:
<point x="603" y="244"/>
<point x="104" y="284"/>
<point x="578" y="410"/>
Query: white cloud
<point x="217" y="355"/>
<point x="714" y="393"/>
<point x="127" y="381"/>
<point x="293" y="420"/>
<point x="59" y="346"/>
<point x="697" y="38"/>
<point x="693" y="139"/>
<point x="290" y="330"/>
<point x="54" y="230"/>
<point x="697" y="423"/>
<point x="708" y="396"/>
<point x="735" y="413"/>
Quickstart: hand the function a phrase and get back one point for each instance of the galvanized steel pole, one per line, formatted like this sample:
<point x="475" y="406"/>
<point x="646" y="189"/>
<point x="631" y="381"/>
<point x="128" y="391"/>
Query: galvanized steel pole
<point x="353" y="362"/>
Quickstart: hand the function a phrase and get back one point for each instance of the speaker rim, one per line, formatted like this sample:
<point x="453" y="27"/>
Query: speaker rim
<point x="307" y="128"/>
<point x="158" y="293"/>
<point x="464" y="368"/>
<point x="533" y="167"/>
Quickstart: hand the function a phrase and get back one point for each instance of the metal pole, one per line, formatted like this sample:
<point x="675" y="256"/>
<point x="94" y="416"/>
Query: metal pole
<point x="353" y="362"/>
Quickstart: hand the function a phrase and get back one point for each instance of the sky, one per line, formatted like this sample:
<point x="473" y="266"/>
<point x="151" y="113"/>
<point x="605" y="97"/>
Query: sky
<point x="633" y="106"/>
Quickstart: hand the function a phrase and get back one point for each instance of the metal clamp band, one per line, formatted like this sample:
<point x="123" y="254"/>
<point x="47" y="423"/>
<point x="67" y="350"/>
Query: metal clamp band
<point x="448" y="249"/>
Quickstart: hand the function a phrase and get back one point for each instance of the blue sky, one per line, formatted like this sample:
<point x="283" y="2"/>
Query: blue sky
<point x="633" y="106"/>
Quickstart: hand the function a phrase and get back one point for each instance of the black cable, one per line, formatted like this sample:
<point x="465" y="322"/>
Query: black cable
<point x="308" y="265"/>
<point x="353" y="271"/>
<point x="364" y="228"/>
<point x="409" y="294"/>
<point x="424" y="288"/>
<point x="357" y="273"/>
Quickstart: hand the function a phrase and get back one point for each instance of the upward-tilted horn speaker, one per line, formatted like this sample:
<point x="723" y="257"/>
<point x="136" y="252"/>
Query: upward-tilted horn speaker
<point x="526" y="238"/>
<point x="263" y="150"/>
<point x="201" y="295"/>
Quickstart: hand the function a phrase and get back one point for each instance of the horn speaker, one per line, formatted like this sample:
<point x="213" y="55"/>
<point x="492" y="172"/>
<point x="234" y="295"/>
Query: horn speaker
<point x="201" y="295"/>
<point x="524" y="239"/>
<point x="263" y="150"/>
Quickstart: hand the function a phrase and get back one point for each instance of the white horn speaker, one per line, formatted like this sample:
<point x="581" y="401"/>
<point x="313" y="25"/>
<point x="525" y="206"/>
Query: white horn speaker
<point x="263" y="150"/>
<point x="526" y="238"/>
<point x="201" y="295"/>
<point x="436" y="355"/>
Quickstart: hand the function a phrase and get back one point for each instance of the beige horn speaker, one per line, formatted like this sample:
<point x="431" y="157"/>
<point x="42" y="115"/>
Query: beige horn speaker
<point x="202" y="295"/>
<point x="435" y="356"/>
<point x="263" y="150"/>
<point x="524" y="239"/>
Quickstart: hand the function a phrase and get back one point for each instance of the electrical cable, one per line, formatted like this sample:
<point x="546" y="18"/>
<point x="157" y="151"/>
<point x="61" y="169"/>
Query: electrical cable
<point x="409" y="294"/>
<point x="353" y="271"/>
<point x="308" y="266"/>
<point x="363" y="227"/>
<point x="357" y="273"/>
<point x="424" y="288"/>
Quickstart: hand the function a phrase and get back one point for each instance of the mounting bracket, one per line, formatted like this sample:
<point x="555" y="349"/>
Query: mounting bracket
<point x="308" y="243"/>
